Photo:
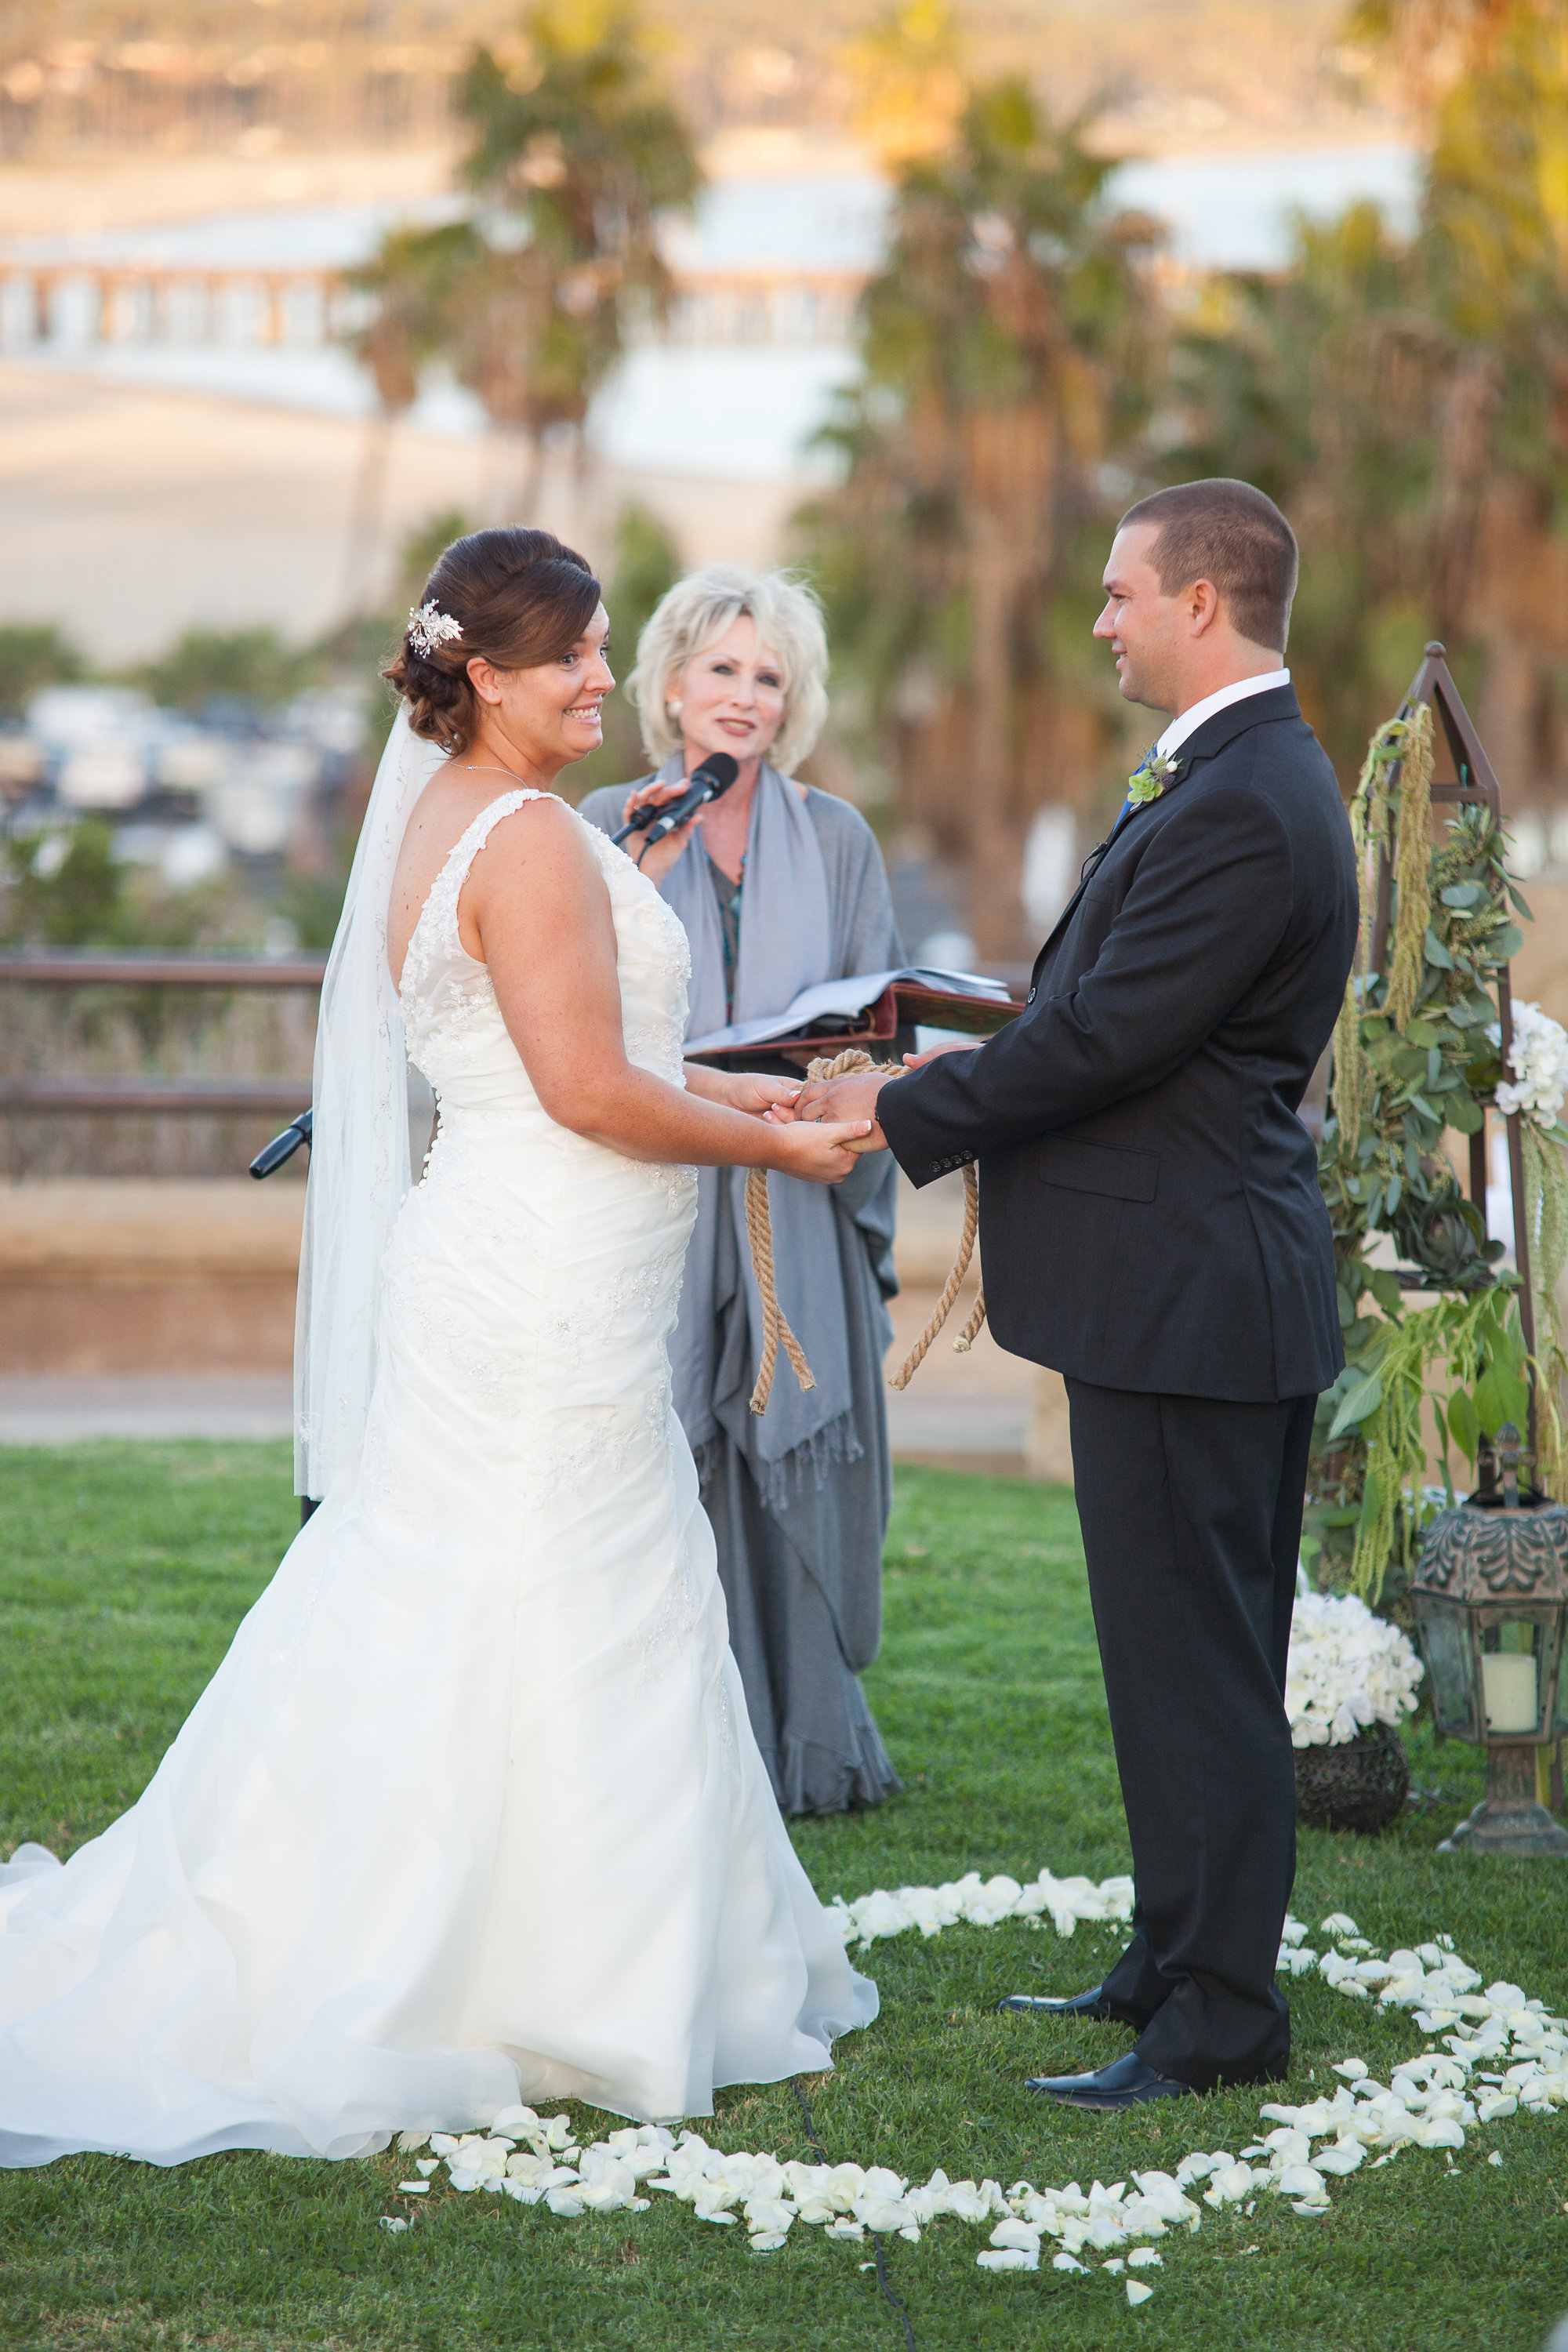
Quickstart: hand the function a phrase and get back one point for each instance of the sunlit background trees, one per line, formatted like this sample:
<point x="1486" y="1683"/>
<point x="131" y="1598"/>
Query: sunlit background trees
<point x="1028" y="360"/>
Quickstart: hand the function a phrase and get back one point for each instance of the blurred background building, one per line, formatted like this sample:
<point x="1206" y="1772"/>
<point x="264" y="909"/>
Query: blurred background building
<point x="918" y="296"/>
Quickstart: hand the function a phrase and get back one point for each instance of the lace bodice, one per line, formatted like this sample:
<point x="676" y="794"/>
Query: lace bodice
<point x="457" y="1035"/>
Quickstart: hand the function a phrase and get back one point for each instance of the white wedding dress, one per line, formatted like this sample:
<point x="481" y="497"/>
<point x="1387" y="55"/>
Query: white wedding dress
<point x="471" y="1812"/>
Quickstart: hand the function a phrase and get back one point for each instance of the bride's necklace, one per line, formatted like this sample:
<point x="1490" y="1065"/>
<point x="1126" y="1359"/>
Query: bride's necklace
<point x="488" y="768"/>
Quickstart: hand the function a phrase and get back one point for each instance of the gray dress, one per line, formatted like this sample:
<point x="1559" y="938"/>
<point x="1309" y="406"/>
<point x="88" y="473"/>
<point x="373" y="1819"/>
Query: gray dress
<point x="799" y="1530"/>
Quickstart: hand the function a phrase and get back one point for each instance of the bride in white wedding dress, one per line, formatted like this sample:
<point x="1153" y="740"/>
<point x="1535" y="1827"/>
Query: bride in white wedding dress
<point x="471" y="1812"/>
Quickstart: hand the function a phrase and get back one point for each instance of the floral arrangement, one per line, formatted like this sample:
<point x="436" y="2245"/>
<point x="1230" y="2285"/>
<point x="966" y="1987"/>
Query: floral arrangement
<point x="1417" y="1052"/>
<point x="1538" y="1058"/>
<point x="1492" y="2055"/>
<point x="1150" y="778"/>
<point x="1348" y="1669"/>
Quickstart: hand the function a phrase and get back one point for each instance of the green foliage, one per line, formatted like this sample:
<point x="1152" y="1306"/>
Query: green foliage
<point x="571" y="153"/>
<point x="1320" y="384"/>
<point x="31" y="655"/>
<point x="64" y="891"/>
<point x="1006" y="348"/>
<point x="647" y="564"/>
<point x="1377" y="1402"/>
<point x="124" y="1573"/>
<point x="67" y="889"/>
<point x="1414" y="1055"/>
<point x="1434" y="1072"/>
<point x="1403" y="400"/>
<point x="253" y="664"/>
<point x="422" y="548"/>
<point x="409" y="280"/>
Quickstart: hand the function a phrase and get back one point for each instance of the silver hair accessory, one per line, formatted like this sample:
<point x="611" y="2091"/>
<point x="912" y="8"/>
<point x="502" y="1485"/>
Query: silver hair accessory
<point x="428" y="627"/>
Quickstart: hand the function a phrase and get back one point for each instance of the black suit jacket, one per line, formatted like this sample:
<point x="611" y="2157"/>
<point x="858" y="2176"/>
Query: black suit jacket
<point x="1149" y="1213"/>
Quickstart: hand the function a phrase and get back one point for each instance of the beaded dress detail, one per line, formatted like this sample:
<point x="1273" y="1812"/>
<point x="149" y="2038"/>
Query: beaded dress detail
<point x="471" y="1812"/>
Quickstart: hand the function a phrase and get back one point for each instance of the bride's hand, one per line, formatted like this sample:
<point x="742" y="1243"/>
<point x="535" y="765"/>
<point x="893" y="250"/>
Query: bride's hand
<point x="760" y="1096"/>
<point x="822" y="1150"/>
<point x="935" y="1053"/>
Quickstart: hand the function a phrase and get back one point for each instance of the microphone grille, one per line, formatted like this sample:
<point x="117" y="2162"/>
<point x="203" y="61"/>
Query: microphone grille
<point x="722" y="767"/>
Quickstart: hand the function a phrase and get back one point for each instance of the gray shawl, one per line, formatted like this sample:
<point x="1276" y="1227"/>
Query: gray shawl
<point x="787" y="944"/>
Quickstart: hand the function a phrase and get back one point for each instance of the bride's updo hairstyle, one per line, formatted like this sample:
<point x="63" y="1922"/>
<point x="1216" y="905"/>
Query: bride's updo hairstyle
<point x="519" y="598"/>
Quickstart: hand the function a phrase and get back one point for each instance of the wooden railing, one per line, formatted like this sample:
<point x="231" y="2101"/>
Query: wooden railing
<point x="139" y="1094"/>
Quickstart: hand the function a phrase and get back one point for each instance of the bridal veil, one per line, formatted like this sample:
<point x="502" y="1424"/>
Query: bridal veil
<point x="360" y="1169"/>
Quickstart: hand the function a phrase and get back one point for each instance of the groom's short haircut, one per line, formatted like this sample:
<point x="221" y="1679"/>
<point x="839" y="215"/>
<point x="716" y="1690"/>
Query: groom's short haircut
<point x="1228" y="532"/>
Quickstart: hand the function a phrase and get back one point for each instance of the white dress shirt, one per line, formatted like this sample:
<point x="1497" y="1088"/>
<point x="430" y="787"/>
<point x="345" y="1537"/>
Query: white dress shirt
<point x="1223" y="697"/>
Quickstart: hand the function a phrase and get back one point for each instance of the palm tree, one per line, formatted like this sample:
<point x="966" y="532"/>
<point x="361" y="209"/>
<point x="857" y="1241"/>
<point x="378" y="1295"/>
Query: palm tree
<point x="1408" y="403"/>
<point x="406" y="290"/>
<point x="573" y="155"/>
<point x="1007" y="350"/>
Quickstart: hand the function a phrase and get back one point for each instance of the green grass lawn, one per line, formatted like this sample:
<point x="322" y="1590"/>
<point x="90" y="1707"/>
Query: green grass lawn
<point x="123" y="1573"/>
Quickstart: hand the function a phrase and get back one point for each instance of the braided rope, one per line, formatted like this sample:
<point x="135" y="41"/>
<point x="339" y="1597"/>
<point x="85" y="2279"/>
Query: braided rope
<point x="775" y="1323"/>
<point x="760" y="1235"/>
<point x="950" y="1290"/>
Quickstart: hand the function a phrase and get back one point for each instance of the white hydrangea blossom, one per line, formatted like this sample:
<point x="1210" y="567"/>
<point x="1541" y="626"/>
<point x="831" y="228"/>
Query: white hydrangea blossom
<point x="1348" y="1669"/>
<point x="1539" y="1060"/>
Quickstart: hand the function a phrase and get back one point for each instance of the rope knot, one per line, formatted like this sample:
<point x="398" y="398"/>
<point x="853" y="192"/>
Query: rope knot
<point x="850" y="1063"/>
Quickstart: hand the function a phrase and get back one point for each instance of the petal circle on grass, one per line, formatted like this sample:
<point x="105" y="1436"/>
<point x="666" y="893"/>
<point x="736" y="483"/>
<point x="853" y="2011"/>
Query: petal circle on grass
<point x="1491" y="2056"/>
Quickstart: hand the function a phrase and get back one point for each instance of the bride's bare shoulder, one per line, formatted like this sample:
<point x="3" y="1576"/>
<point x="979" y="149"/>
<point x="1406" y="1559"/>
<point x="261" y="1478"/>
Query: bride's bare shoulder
<point x="542" y="830"/>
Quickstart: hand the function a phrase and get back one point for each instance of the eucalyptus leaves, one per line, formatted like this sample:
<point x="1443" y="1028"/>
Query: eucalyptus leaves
<point x="1416" y="1052"/>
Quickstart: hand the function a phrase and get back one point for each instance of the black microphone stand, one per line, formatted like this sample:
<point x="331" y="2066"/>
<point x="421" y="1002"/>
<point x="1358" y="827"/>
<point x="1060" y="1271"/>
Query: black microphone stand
<point x="266" y="1162"/>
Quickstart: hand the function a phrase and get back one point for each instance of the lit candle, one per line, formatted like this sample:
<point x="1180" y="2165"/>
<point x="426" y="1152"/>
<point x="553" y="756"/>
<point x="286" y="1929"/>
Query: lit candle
<point x="1508" y="1681"/>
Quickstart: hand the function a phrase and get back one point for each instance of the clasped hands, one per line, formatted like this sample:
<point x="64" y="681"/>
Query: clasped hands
<point x="855" y="1097"/>
<point x="778" y="1102"/>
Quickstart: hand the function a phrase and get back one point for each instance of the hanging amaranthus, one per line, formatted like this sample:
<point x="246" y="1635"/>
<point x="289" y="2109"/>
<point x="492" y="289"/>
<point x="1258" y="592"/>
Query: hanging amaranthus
<point x="1369" y="829"/>
<point x="1412" y="866"/>
<point x="1546" y="1227"/>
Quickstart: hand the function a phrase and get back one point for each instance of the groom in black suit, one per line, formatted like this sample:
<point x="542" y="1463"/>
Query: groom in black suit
<point x="1153" y="1228"/>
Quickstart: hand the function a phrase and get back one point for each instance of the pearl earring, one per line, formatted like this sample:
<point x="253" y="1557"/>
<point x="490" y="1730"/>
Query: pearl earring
<point x="674" y="708"/>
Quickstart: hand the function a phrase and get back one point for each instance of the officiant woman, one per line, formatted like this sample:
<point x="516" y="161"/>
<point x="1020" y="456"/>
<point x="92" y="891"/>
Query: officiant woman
<point x="779" y="887"/>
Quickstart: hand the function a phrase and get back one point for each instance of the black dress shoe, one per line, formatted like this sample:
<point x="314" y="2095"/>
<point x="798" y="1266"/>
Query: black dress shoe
<point x="1131" y="2082"/>
<point x="1091" y="2004"/>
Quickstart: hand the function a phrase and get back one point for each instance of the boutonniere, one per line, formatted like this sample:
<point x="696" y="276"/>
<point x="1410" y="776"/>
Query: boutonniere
<point x="1149" y="779"/>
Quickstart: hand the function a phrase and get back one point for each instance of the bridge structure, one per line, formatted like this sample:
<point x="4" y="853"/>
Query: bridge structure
<point x="64" y="305"/>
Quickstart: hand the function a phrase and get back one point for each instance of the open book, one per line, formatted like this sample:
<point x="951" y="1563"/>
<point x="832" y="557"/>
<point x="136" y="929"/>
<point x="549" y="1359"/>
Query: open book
<point x="867" y="1006"/>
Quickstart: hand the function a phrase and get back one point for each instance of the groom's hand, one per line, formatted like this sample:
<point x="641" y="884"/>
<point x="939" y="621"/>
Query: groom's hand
<point x="839" y="1098"/>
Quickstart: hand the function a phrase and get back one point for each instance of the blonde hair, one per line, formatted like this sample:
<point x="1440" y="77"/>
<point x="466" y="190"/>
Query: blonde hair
<point x="695" y="613"/>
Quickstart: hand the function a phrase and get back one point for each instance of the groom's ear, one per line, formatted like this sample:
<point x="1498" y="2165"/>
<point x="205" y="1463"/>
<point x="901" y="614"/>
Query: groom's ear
<point x="1202" y="605"/>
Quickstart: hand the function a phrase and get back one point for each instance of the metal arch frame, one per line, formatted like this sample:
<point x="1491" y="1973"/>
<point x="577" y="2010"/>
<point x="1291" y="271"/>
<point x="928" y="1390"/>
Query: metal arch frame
<point x="1474" y="781"/>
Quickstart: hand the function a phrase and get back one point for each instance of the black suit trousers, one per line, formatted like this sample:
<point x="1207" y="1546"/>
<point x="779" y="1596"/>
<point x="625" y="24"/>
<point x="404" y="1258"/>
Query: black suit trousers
<point x="1191" y="1510"/>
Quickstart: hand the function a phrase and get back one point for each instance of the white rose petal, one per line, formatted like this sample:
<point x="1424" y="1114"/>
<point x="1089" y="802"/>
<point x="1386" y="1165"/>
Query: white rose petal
<point x="1137" y="2293"/>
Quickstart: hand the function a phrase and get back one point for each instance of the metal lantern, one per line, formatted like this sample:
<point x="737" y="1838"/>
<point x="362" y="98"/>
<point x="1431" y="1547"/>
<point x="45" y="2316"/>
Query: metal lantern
<point x="1490" y="1597"/>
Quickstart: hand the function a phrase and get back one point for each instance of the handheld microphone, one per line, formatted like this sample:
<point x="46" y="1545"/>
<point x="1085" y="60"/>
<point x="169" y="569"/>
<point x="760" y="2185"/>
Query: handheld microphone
<point x="714" y="776"/>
